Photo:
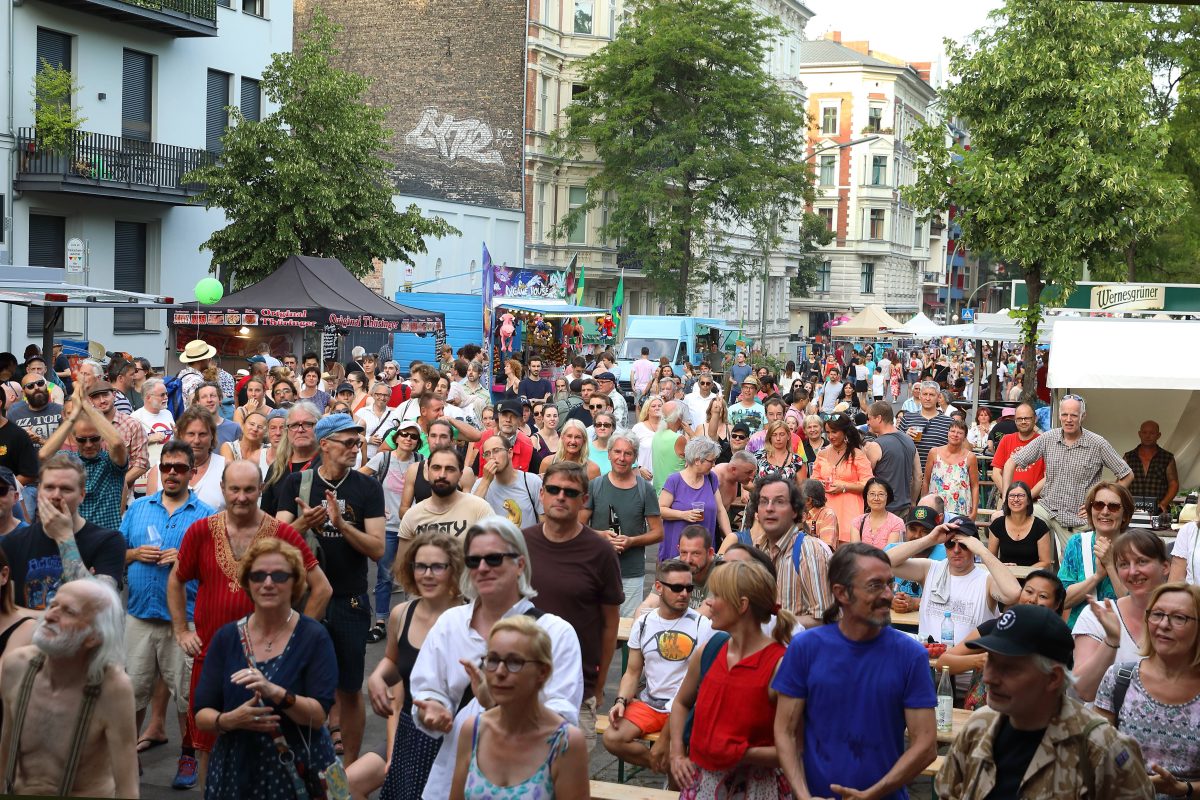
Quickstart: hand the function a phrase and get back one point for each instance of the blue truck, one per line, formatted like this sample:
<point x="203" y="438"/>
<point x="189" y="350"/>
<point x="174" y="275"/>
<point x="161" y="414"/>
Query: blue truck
<point x="680" y="339"/>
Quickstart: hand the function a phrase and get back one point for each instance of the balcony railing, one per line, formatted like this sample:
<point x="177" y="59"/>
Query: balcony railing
<point x="172" y="17"/>
<point x="109" y="166"/>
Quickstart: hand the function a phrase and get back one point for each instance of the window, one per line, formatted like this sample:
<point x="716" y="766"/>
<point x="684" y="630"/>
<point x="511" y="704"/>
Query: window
<point x="826" y="217"/>
<point x="829" y="120"/>
<point x="875" y="119"/>
<point x="868" y="278"/>
<point x="828" y="166"/>
<point x="216" y="118"/>
<point x="544" y="110"/>
<point x="879" y="170"/>
<point x="47" y="248"/>
<point x="576" y="197"/>
<point x="824" y="276"/>
<point x="137" y="78"/>
<point x="547" y="12"/>
<point x="225" y="3"/>
<point x="578" y="90"/>
<point x="256" y="7"/>
<point x="437" y="268"/>
<point x="539" y="212"/>
<point x="129" y="272"/>
<point x="53" y="48"/>
<point x="583" y="15"/>
<point x="918" y="234"/>
<point x="877" y="217"/>
<point x="251" y="104"/>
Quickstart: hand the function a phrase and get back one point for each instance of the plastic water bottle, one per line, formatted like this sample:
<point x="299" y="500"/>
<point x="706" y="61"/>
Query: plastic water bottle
<point x="945" y="702"/>
<point x="947" y="636"/>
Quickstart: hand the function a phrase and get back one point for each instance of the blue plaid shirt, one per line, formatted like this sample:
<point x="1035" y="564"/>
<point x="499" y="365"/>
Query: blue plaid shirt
<point x="148" y="582"/>
<point x="101" y="504"/>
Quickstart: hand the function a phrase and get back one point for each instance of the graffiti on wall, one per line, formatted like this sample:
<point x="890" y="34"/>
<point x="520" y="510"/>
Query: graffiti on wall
<point x="453" y="139"/>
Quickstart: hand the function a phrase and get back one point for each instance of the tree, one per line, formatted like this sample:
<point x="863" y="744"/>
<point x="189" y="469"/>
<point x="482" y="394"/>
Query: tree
<point x="55" y="118"/>
<point x="814" y="234"/>
<point x="309" y="179"/>
<point x="694" y="139"/>
<point x="1065" y="164"/>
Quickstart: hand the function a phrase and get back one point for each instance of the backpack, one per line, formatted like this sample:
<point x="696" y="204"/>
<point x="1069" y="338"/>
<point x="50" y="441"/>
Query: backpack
<point x="174" y="387"/>
<point x="310" y="536"/>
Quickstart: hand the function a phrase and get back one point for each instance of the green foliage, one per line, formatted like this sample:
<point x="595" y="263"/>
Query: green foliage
<point x="1065" y="165"/>
<point x="54" y="117"/>
<point x="694" y="137"/>
<point x="309" y="179"/>
<point x="814" y="234"/>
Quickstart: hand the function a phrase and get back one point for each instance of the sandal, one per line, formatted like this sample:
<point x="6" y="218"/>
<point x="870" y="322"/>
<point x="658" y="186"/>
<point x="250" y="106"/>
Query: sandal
<point x="377" y="633"/>
<point x="149" y="743"/>
<point x="335" y="733"/>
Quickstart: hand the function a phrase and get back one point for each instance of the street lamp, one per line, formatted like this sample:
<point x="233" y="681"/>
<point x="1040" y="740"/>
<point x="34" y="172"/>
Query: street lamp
<point x="980" y="286"/>
<point x="841" y="146"/>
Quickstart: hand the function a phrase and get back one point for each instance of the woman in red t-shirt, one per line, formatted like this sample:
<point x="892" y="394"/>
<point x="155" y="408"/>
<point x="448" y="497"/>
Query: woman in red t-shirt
<point x="732" y="742"/>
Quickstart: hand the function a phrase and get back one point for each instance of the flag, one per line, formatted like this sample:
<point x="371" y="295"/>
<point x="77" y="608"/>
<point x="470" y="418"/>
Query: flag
<point x="489" y="282"/>
<point x="618" y="303"/>
<point x="572" y="279"/>
<point x="579" y="288"/>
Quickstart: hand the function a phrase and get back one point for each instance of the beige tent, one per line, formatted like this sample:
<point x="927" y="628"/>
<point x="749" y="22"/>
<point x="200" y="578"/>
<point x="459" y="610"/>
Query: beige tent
<point x="871" y="321"/>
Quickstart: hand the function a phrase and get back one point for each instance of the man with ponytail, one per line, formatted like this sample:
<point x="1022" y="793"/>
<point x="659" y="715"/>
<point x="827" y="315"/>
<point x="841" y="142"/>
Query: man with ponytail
<point x="855" y="685"/>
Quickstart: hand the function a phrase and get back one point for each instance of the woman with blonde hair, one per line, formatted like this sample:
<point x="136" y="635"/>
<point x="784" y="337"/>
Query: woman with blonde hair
<point x="1087" y="558"/>
<point x="732" y="748"/>
<point x="1160" y="694"/>
<point x="716" y="427"/>
<point x="777" y="458"/>
<point x="573" y="446"/>
<point x="647" y="425"/>
<point x="250" y="445"/>
<point x="519" y="748"/>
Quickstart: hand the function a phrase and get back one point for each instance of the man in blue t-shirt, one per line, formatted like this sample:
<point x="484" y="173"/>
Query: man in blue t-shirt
<point x="856" y="686"/>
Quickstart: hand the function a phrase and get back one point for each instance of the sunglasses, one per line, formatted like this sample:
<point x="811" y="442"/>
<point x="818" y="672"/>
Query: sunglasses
<point x="597" y="407"/>
<point x="276" y="576"/>
<point x="957" y="546"/>
<point x="565" y="490"/>
<point x="677" y="588"/>
<point x="416" y="437"/>
<point x="738" y="436"/>
<point x="34" y="384"/>
<point x="356" y="442"/>
<point x="178" y="467"/>
<point x="1100" y="505"/>
<point x="491" y="559"/>
<point x="87" y="439"/>
<point x="602" y="425"/>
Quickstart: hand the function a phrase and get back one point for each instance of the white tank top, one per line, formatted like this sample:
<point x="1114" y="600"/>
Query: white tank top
<point x="208" y="488"/>
<point x="968" y="604"/>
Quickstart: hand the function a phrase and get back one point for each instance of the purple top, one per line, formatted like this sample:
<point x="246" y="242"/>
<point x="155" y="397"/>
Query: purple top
<point x="684" y="497"/>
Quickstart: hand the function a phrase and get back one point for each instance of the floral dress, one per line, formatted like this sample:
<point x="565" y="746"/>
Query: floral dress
<point x="787" y="471"/>
<point x="894" y="381"/>
<point x="951" y="482"/>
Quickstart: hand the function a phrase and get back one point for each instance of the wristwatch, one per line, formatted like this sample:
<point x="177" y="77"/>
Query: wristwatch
<point x="621" y="700"/>
<point x="287" y="702"/>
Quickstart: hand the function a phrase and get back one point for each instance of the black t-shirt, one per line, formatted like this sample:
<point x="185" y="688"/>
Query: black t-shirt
<point x="360" y="498"/>
<point x="62" y="364"/>
<point x="1005" y="426"/>
<point x="1012" y="750"/>
<point x="271" y="494"/>
<point x="17" y="451"/>
<point x="36" y="567"/>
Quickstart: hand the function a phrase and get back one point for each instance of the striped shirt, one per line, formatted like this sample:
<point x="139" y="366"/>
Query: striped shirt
<point x="1070" y="470"/>
<point x="148" y="582"/>
<point x="806" y="591"/>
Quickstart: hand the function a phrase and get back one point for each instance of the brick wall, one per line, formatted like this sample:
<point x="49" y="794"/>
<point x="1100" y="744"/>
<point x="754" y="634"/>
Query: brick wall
<point x="452" y="76"/>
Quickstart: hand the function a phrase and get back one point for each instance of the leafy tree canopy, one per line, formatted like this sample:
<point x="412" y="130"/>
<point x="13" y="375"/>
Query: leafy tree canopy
<point x="309" y="178"/>
<point x="694" y="137"/>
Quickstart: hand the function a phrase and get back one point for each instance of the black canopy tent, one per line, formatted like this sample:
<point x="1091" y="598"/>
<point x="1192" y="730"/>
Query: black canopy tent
<point x="304" y="293"/>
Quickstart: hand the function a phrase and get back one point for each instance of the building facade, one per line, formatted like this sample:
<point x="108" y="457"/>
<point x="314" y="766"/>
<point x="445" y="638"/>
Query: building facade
<point x="561" y="34"/>
<point x="862" y="107"/>
<point x="153" y="81"/>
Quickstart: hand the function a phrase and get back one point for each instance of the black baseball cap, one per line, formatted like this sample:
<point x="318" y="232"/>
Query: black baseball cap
<point x="1028" y="630"/>
<point x="741" y="427"/>
<point x="925" y="516"/>
<point x="605" y="376"/>
<point x="511" y="405"/>
<point x="964" y="526"/>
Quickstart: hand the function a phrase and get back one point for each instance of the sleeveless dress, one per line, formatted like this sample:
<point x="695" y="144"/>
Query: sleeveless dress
<point x="413" y="752"/>
<point x="538" y="786"/>
<point x="952" y="482"/>
<point x="263" y="463"/>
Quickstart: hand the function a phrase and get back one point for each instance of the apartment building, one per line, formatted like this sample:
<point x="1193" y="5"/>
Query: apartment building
<point x="561" y="34"/>
<point x="154" y="79"/>
<point x="862" y="107"/>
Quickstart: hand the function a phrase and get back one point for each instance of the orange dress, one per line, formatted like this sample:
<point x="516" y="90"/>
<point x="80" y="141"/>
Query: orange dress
<point x="852" y="468"/>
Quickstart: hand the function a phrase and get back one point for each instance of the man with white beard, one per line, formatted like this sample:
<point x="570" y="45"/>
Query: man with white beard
<point x="71" y="688"/>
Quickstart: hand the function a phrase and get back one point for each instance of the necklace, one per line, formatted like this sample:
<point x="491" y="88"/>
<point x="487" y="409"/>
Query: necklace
<point x="270" y="643"/>
<point x="329" y="483"/>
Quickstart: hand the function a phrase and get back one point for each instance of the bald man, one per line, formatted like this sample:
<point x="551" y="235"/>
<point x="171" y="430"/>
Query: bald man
<point x="1154" y="472"/>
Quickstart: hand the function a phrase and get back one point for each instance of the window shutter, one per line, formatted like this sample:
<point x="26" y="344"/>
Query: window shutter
<point x="251" y="104"/>
<point x="136" y="87"/>
<point x="47" y="248"/>
<point x="129" y="272"/>
<point x="53" y="47"/>
<point x="216" y="118"/>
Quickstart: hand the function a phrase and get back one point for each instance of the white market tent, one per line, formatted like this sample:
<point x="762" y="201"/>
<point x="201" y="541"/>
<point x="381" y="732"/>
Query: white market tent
<point x="871" y="321"/>
<point x="1129" y="370"/>
<point x="917" y="327"/>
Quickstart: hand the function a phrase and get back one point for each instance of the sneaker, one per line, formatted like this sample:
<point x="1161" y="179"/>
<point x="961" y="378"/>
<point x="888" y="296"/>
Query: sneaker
<point x="185" y="775"/>
<point x="377" y="633"/>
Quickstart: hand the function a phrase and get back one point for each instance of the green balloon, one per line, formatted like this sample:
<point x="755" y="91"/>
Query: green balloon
<point x="209" y="291"/>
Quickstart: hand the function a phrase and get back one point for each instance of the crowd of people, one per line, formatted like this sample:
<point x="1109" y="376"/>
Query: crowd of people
<point x="204" y="541"/>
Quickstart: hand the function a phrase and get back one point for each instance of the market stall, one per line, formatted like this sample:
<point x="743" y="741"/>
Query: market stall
<point x="308" y="303"/>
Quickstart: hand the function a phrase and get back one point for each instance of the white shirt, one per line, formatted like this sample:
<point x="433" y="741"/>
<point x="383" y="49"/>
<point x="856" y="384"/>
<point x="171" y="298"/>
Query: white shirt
<point x="162" y="422"/>
<point x="666" y="645"/>
<point x="968" y="603"/>
<point x="697" y="406"/>
<point x="437" y="675"/>
<point x="375" y="425"/>
<point x="1088" y="625"/>
<point x="1185" y="548"/>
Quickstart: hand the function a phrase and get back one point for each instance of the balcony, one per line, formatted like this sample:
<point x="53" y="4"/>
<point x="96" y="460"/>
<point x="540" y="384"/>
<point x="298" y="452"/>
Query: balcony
<point x="180" y="18"/>
<point x="110" y="167"/>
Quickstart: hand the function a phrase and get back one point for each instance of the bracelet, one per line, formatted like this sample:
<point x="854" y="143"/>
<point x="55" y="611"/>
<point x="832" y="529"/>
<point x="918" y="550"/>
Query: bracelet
<point x="218" y="723"/>
<point x="1188" y="793"/>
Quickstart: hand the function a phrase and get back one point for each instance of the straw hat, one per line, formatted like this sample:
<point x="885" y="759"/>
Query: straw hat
<point x="197" y="350"/>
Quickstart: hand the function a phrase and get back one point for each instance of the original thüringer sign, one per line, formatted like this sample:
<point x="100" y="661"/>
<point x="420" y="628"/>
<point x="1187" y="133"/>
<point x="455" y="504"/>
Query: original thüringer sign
<point x="1128" y="297"/>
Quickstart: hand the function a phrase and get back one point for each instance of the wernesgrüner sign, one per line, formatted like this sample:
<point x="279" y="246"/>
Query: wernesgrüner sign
<point x="1128" y="297"/>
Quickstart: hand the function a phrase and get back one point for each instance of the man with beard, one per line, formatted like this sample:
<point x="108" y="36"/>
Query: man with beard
<point x="302" y="442"/>
<point x="68" y="703"/>
<point x="61" y="546"/>
<point x="344" y="510"/>
<point x="417" y="480"/>
<point x="801" y="561"/>
<point x="854" y="679"/>
<point x="102" y="451"/>
<point x="695" y="550"/>
<point x="36" y="365"/>
<point x="209" y="555"/>
<point x="448" y="509"/>
<point x="36" y="414"/>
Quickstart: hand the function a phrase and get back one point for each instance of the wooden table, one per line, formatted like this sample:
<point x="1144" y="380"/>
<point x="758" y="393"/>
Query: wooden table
<point x="910" y="619"/>
<point x="624" y="626"/>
